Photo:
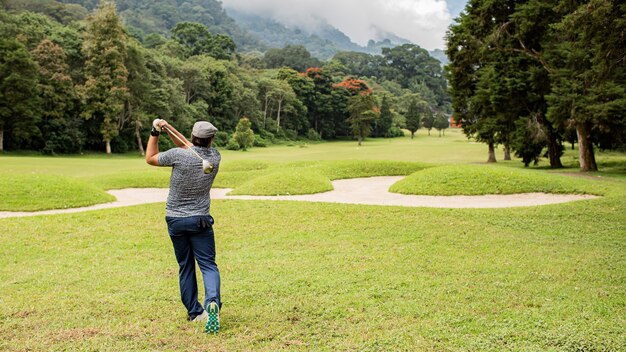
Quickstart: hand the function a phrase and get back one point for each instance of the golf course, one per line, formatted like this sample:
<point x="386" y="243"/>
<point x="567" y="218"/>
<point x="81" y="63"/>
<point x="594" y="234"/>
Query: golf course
<point x="321" y="276"/>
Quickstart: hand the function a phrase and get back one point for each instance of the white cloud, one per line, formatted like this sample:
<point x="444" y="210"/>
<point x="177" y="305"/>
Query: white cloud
<point x="421" y="21"/>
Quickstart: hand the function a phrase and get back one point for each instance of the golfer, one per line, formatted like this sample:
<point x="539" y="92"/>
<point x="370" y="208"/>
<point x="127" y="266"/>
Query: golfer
<point x="188" y="218"/>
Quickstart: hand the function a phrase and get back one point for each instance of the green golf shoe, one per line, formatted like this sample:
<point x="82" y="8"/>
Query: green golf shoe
<point x="213" y="322"/>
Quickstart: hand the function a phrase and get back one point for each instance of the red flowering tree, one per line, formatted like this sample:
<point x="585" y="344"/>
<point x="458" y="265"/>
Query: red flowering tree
<point x="354" y="86"/>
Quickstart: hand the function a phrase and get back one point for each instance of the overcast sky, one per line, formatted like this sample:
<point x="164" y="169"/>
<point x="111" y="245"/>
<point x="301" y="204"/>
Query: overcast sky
<point x="421" y="21"/>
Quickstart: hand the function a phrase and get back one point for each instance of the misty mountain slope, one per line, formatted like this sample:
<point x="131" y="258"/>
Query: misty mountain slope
<point x="324" y="42"/>
<point x="276" y="35"/>
<point x="249" y="31"/>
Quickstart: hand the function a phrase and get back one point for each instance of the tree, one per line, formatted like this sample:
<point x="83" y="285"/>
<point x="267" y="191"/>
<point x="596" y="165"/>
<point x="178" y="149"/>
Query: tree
<point x="413" y="117"/>
<point x="197" y="40"/>
<point x="441" y="123"/>
<point x="139" y="87"/>
<point x="588" y="74"/>
<point x="244" y="135"/>
<point x="58" y="99"/>
<point x="383" y="123"/>
<point x="105" y="91"/>
<point x="412" y="66"/>
<point x="362" y="109"/>
<point x="19" y="102"/>
<point x="428" y="121"/>
<point x="292" y="56"/>
<point x="472" y="76"/>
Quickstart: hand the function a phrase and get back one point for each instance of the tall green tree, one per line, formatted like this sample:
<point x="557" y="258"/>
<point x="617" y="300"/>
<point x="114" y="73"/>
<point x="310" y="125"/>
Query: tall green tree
<point x="441" y="123"/>
<point x="413" y="117"/>
<point x="59" y="127"/>
<point x="588" y="73"/>
<point x="428" y="121"/>
<point x="384" y="122"/>
<point x="19" y="101"/>
<point x="362" y="110"/>
<point x="104" y="91"/>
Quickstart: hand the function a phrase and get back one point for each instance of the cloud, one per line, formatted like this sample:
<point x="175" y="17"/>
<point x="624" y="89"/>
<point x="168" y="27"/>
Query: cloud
<point x="422" y="21"/>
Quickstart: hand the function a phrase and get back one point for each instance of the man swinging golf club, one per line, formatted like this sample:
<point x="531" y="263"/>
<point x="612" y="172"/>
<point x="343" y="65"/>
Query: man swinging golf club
<point x="189" y="222"/>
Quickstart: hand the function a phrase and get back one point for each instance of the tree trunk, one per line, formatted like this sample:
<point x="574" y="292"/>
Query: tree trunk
<point x="507" y="152"/>
<point x="429" y="131"/>
<point x="280" y="103"/>
<point x="360" y="140"/>
<point x="412" y="134"/>
<point x="554" y="151"/>
<point x="492" y="153"/>
<point x="108" y="147"/>
<point x="439" y="133"/>
<point x="586" y="155"/>
<point x="139" y="142"/>
<point x="1" y="140"/>
<point x="265" y="112"/>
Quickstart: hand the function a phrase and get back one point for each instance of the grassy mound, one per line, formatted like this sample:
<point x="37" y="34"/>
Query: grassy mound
<point x="32" y="192"/>
<point x="342" y="169"/>
<point x="285" y="182"/>
<point x="153" y="177"/>
<point x="237" y="175"/>
<point x="232" y="179"/>
<point x="243" y="165"/>
<point x="486" y="179"/>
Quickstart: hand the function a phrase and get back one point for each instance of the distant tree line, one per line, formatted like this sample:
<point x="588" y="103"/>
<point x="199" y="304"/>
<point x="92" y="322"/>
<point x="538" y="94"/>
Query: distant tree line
<point x="532" y="75"/>
<point x="69" y="84"/>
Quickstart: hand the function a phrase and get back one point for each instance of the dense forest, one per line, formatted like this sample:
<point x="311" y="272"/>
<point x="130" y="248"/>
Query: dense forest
<point x="75" y="77"/>
<point x="532" y="75"/>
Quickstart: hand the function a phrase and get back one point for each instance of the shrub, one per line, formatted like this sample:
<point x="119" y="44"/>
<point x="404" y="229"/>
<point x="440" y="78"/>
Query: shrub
<point x="312" y="135"/>
<point x="291" y="135"/>
<point x="232" y="144"/>
<point x="221" y="139"/>
<point x="395" y="132"/>
<point x="244" y="134"/>
<point x="260" y="142"/>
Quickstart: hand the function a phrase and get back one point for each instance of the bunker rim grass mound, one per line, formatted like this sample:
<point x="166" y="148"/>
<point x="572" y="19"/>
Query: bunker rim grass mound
<point x="36" y="192"/>
<point x="285" y="182"/>
<point x="453" y="180"/>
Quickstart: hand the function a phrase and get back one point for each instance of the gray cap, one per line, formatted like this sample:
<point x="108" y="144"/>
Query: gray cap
<point x="203" y="129"/>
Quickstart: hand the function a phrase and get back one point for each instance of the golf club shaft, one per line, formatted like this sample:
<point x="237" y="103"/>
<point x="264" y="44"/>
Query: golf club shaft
<point x="188" y="146"/>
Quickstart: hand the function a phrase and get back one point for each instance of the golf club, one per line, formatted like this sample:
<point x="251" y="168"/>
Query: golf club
<point x="207" y="167"/>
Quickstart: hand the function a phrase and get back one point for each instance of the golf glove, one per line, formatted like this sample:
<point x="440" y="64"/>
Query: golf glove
<point x="155" y="124"/>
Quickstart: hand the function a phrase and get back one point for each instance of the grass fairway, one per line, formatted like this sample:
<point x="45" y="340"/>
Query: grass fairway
<point x="306" y="276"/>
<point x="324" y="277"/>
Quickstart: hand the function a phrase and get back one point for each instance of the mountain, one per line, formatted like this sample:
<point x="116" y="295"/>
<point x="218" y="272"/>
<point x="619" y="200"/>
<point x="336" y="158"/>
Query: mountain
<point x="439" y="55"/>
<point x="322" y="42"/>
<point x="249" y="31"/>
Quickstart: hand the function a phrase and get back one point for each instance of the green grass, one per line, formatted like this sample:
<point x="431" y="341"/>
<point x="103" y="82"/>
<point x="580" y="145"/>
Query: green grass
<point x="335" y="160"/>
<point x="487" y="179"/>
<point x="307" y="276"/>
<point x="308" y="177"/>
<point x="41" y="192"/>
<point x="317" y="276"/>
<point x="291" y="181"/>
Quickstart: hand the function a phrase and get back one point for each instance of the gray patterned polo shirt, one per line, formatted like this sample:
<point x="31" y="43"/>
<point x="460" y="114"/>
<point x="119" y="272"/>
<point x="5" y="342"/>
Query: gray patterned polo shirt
<point x="189" y="185"/>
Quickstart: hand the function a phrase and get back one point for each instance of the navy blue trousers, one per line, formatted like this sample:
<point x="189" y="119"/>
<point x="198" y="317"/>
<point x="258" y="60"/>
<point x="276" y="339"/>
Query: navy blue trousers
<point x="194" y="240"/>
